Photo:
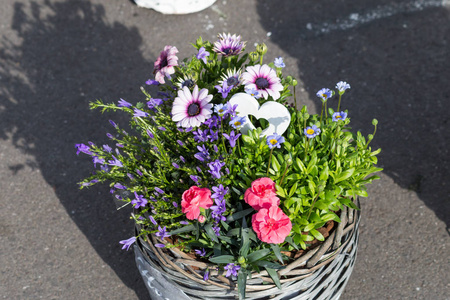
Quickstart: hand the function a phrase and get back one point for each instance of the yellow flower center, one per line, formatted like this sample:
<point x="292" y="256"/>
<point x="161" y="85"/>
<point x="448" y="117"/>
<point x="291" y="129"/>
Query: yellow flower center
<point x="324" y="96"/>
<point x="237" y="123"/>
<point x="338" y="117"/>
<point x="310" y="131"/>
<point x="273" y="141"/>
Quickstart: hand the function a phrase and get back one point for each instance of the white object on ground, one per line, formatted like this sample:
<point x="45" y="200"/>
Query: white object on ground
<point x="175" y="6"/>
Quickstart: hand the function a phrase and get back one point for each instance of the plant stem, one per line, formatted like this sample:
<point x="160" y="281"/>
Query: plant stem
<point x="326" y="114"/>
<point x="270" y="159"/>
<point x="284" y="174"/>
<point x="339" y="103"/>
<point x="295" y="99"/>
<point x="321" y="113"/>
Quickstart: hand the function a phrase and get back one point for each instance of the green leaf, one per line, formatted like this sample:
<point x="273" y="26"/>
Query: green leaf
<point x="182" y="229"/>
<point x="280" y="191"/>
<point x="293" y="190"/>
<point x="276" y="250"/>
<point x="245" y="243"/>
<point x="274" y="275"/>
<point x="309" y="227"/>
<point x="344" y="175"/>
<point x="211" y="234"/>
<point x="257" y="255"/>
<point x="239" y="214"/>
<point x="349" y="203"/>
<point x="242" y="282"/>
<point x="247" y="139"/>
<point x="300" y="165"/>
<point x="291" y="242"/>
<point x="317" y="235"/>
<point x="223" y="259"/>
<point x="268" y="264"/>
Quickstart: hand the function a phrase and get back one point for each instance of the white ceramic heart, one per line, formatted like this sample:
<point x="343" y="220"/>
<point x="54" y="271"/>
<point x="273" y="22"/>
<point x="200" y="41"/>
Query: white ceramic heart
<point x="275" y="113"/>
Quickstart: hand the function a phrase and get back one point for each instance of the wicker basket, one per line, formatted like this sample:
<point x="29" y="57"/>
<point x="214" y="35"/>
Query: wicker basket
<point x="320" y="273"/>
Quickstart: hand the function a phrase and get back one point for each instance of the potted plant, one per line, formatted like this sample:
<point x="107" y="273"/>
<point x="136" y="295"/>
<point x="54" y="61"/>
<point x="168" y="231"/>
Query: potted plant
<point x="235" y="192"/>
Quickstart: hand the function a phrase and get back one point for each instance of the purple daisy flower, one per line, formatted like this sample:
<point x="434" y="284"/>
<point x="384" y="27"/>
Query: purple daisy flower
<point x="339" y="116"/>
<point x="202" y="54"/>
<point x="263" y="79"/>
<point x="324" y="94"/>
<point x="191" y="110"/>
<point x="312" y="131"/>
<point x="229" y="45"/>
<point x="342" y="86"/>
<point x="232" y="269"/>
<point x="127" y="243"/>
<point x="232" y="78"/>
<point x="164" y="65"/>
<point x="274" y="140"/>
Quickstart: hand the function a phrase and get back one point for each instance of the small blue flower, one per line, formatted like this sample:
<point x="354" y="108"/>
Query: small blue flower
<point x="339" y="116"/>
<point x="83" y="148"/>
<point x="215" y="167"/>
<point x="120" y="186"/>
<point x="157" y="189"/>
<point x="127" y="243"/>
<point x="232" y="269"/>
<point x="219" y="192"/>
<point x="253" y="92"/>
<point x="202" y="54"/>
<point x="139" y="113"/>
<point x="152" y="82"/>
<point x="232" y="138"/>
<point x="224" y="89"/>
<point x="237" y="122"/>
<point x="279" y="62"/>
<point x="220" y="109"/>
<point x="107" y="148"/>
<point x="162" y="232"/>
<point x="139" y="201"/>
<point x="324" y="94"/>
<point x="115" y="162"/>
<point x="342" y="86"/>
<point x="200" y="252"/>
<point x="274" y="140"/>
<point x="123" y="103"/>
<point x="312" y="131"/>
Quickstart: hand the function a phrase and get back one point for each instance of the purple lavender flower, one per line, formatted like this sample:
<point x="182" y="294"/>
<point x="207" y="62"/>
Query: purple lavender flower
<point x="113" y="124"/>
<point x="150" y="134"/>
<point x="83" y="148"/>
<point x="182" y="159"/>
<point x="274" y="140"/>
<point x="139" y="201"/>
<point x="162" y="233"/>
<point x="232" y="269"/>
<point x="96" y="160"/>
<point x="123" y="103"/>
<point x="279" y="62"/>
<point x="202" y="54"/>
<point x="219" y="192"/>
<point x="224" y="89"/>
<point x="120" y="186"/>
<point x="127" y="243"/>
<point x="139" y="113"/>
<point x="339" y="116"/>
<point x="215" y="167"/>
<point x="232" y="138"/>
<point x="157" y="189"/>
<point x="195" y="178"/>
<point x="152" y="82"/>
<point x="206" y="275"/>
<point x="200" y="252"/>
<point x="115" y="162"/>
<point x="107" y="148"/>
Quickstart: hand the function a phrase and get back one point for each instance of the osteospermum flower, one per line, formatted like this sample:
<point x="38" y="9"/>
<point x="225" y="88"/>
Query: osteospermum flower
<point x="232" y="78"/>
<point x="263" y="79"/>
<point x="186" y="80"/>
<point x="229" y="45"/>
<point x="191" y="109"/>
<point x="312" y="131"/>
<point x="164" y="65"/>
<point x="339" y="116"/>
<point x="324" y="94"/>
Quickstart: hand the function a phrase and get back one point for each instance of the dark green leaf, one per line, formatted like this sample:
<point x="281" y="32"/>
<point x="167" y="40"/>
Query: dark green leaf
<point x="223" y="259"/>
<point x="268" y="264"/>
<point x="276" y="250"/>
<point x="274" y="275"/>
<point x="257" y="255"/>
<point x="239" y="214"/>
<point x="211" y="234"/>
<point x="242" y="283"/>
<point x="187" y="228"/>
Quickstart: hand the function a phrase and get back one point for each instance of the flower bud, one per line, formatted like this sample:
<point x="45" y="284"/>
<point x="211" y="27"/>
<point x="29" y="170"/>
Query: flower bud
<point x="374" y="122"/>
<point x="254" y="56"/>
<point x="261" y="49"/>
<point x="201" y="219"/>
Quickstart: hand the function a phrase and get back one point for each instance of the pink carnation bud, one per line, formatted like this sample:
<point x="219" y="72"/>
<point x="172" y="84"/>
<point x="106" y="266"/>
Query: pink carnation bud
<point x="262" y="194"/>
<point x="201" y="219"/>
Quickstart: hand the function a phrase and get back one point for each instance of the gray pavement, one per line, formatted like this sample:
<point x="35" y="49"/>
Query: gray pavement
<point x="57" y="242"/>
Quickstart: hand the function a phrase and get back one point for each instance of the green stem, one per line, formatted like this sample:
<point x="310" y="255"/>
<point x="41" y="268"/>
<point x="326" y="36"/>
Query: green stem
<point x="321" y="113"/>
<point x="339" y="103"/>
<point x="284" y="174"/>
<point x="326" y="114"/>
<point x="295" y="99"/>
<point x="270" y="159"/>
<point x="307" y="146"/>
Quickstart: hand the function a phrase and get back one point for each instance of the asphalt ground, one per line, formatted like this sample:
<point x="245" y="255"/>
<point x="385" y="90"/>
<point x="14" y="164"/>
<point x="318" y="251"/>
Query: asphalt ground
<point x="57" y="242"/>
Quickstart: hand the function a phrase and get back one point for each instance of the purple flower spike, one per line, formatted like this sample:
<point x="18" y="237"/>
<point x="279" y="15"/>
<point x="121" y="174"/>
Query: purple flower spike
<point x="127" y="243"/>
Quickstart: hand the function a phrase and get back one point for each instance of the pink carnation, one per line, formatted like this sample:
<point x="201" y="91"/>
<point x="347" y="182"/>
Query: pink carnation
<point x="271" y="225"/>
<point x="193" y="199"/>
<point x="164" y="65"/>
<point x="261" y="194"/>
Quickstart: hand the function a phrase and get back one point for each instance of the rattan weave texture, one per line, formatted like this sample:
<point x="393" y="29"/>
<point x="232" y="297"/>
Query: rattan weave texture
<point x="321" y="273"/>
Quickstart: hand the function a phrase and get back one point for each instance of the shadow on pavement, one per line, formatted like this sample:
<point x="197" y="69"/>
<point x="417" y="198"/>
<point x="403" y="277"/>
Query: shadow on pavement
<point x="70" y="55"/>
<point x="395" y="56"/>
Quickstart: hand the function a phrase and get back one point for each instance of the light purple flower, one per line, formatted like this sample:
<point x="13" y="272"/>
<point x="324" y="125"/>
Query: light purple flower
<point x="127" y="243"/>
<point x="339" y="116"/>
<point x="184" y="222"/>
<point x="202" y="54"/>
<point x="206" y="275"/>
<point x="139" y="201"/>
<point x="279" y="62"/>
<point x="175" y="165"/>
<point x="220" y="109"/>
<point x="158" y="190"/>
<point x="115" y="162"/>
<point x="164" y="65"/>
<point x="263" y="79"/>
<point x="162" y="232"/>
<point x="83" y="148"/>
<point x="152" y="82"/>
<point x="107" y="148"/>
<point x="191" y="109"/>
<point x="232" y="138"/>
<point x="232" y="269"/>
<point x="253" y="92"/>
<point x="113" y="124"/>
<point x="154" y="102"/>
<point x="219" y="192"/>
<point x="200" y="252"/>
<point x="342" y="86"/>
<point x="224" y="89"/>
<point x="153" y="220"/>
<point x="120" y="186"/>
<point x="215" y="167"/>
<point x="274" y="140"/>
<point x="123" y="103"/>
<point x="160" y="245"/>
<point x="96" y="160"/>
<point x="139" y="113"/>
<point x="312" y="131"/>
<point x="195" y="178"/>
<point x="324" y="94"/>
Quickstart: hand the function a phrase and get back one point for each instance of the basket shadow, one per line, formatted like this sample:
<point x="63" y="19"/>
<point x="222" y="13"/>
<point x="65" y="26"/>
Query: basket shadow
<point x="395" y="56"/>
<point x="69" y="56"/>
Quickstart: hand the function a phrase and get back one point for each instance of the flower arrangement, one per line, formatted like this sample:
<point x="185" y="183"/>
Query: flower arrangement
<point x="221" y="166"/>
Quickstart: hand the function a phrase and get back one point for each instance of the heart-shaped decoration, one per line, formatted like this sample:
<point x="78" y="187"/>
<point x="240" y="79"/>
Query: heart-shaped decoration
<point x="275" y="113"/>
